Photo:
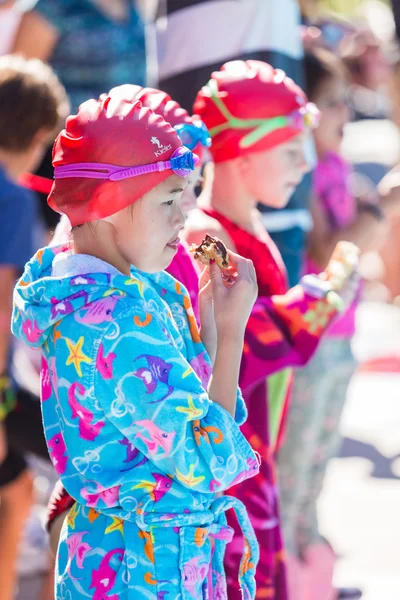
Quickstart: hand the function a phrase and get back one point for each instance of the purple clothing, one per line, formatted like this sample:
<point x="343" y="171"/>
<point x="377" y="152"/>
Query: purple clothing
<point x="331" y="185"/>
<point x="339" y="205"/>
<point x="184" y="269"/>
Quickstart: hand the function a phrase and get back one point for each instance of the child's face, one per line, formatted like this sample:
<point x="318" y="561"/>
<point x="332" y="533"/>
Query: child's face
<point x="331" y="101"/>
<point x="376" y="68"/>
<point x="272" y="176"/>
<point x="147" y="232"/>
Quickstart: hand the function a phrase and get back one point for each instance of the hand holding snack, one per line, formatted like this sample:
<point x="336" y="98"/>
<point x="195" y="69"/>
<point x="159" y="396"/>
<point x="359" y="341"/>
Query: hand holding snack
<point x="342" y="271"/>
<point x="342" y="265"/>
<point x="233" y="285"/>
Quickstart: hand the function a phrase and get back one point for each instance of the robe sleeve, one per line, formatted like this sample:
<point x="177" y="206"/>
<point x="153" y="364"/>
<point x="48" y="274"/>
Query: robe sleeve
<point x="155" y="399"/>
<point x="284" y="331"/>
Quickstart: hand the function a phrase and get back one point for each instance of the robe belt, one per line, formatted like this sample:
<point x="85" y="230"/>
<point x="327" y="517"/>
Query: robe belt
<point x="215" y="520"/>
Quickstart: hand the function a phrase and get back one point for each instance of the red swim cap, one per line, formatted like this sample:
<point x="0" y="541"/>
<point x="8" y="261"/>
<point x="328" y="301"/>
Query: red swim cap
<point x="248" y="91"/>
<point x="161" y="103"/>
<point x="112" y="131"/>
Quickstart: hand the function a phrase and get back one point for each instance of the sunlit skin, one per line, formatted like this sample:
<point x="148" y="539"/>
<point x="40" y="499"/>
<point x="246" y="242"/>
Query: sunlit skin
<point x="335" y="114"/>
<point x="233" y="188"/>
<point x="375" y="70"/>
<point x="272" y="176"/>
<point x="145" y="234"/>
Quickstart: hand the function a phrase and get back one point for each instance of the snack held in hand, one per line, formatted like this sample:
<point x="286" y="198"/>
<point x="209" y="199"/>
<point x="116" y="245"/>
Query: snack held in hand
<point x="211" y="248"/>
<point x="343" y="264"/>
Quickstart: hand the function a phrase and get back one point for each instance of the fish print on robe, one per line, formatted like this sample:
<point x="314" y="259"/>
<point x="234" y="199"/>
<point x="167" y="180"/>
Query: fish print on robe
<point x="158" y="489"/>
<point x="87" y="429"/>
<point x="57" y="451"/>
<point x="97" y="312"/>
<point x="194" y="571"/>
<point x="45" y="382"/>
<point x="103" y="578"/>
<point x="159" y="439"/>
<point x="202" y="368"/>
<point x="77" y="549"/>
<point x="109" y="496"/>
<point x="219" y="589"/>
<point x="104" y="364"/>
<point x="131" y="454"/>
<point x="157" y="371"/>
<point x="31" y="331"/>
<point x="65" y="306"/>
<point x="133" y="434"/>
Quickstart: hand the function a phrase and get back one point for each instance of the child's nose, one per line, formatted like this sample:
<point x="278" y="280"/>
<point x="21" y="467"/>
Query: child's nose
<point x="303" y="164"/>
<point x="179" y="216"/>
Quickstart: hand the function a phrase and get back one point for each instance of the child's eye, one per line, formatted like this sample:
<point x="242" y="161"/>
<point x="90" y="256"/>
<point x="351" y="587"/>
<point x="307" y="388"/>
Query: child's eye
<point x="334" y="103"/>
<point x="169" y="202"/>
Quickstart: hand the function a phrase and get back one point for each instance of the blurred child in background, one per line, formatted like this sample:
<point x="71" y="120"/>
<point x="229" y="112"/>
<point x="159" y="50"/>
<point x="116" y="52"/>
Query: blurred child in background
<point x="32" y="106"/>
<point x="320" y="388"/>
<point x="258" y="119"/>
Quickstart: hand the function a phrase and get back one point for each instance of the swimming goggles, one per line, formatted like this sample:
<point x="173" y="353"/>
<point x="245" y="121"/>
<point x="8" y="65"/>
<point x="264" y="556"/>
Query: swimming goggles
<point x="306" y="117"/>
<point x="182" y="163"/>
<point x="193" y="134"/>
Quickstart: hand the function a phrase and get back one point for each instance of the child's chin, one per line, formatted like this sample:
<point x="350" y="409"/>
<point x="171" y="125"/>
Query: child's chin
<point x="161" y="265"/>
<point x="335" y="147"/>
<point x="278" y="201"/>
<point x="166" y="261"/>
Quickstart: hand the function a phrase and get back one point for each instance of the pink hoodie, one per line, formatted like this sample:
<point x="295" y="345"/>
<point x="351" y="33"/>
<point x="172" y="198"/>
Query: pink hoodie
<point x="185" y="270"/>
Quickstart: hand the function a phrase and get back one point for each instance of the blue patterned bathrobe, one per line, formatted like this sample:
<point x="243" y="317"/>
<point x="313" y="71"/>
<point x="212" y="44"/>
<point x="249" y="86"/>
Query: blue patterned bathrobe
<point x="132" y="433"/>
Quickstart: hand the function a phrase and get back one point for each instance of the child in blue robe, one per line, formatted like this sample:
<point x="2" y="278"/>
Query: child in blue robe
<point x="140" y="435"/>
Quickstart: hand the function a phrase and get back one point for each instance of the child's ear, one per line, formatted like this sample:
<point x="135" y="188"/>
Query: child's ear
<point x="108" y="219"/>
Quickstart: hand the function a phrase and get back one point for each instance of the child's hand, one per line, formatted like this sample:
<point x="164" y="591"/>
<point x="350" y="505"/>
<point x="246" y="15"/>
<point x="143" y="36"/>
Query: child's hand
<point x="234" y="291"/>
<point x="350" y="289"/>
